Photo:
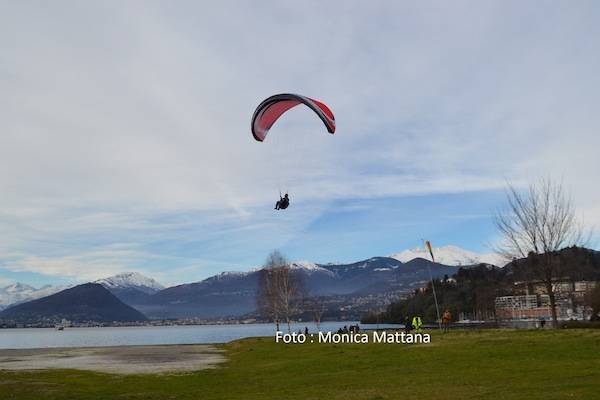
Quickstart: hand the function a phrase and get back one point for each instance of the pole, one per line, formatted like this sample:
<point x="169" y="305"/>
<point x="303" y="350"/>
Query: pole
<point x="437" y="307"/>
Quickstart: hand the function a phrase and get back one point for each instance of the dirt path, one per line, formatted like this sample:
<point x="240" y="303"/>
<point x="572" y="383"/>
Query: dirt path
<point x="120" y="360"/>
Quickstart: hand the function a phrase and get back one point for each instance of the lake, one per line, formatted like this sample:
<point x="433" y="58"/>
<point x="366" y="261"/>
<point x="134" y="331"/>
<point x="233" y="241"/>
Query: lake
<point x="30" y="338"/>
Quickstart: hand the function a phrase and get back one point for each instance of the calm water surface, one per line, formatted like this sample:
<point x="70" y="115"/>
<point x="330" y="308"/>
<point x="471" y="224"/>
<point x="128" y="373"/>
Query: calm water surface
<point x="121" y="336"/>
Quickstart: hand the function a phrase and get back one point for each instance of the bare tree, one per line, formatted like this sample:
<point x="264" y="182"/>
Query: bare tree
<point x="280" y="290"/>
<point x="267" y="299"/>
<point x="316" y="306"/>
<point x="290" y="291"/>
<point x="538" y="224"/>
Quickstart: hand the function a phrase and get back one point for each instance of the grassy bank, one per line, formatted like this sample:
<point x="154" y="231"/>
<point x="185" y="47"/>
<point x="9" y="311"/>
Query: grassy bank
<point x="461" y="365"/>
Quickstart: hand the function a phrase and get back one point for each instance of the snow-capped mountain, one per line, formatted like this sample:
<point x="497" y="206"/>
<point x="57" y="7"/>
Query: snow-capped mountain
<point x="309" y="267"/>
<point x="131" y="280"/>
<point x="306" y="266"/>
<point x="450" y="255"/>
<point x="232" y="293"/>
<point x="20" y="293"/>
<point x="15" y="293"/>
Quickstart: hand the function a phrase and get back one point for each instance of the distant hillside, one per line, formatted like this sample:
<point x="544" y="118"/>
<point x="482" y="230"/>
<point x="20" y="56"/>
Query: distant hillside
<point x="578" y="264"/>
<point x="223" y="295"/>
<point x="369" y="276"/>
<point x="233" y="294"/>
<point x="474" y="289"/>
<point x="87" y="302"/>
<point x="371" y="283"/>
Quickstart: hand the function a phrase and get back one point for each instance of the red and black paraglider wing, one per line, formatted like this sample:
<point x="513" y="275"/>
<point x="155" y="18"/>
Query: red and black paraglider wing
<point x="275" y="106"/>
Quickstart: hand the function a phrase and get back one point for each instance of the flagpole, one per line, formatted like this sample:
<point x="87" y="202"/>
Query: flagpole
<point x="437" y="307"/>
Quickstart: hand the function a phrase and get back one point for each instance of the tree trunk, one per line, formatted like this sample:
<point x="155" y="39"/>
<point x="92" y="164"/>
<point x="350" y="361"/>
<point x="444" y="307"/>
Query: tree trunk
<point x="550" y="291"/>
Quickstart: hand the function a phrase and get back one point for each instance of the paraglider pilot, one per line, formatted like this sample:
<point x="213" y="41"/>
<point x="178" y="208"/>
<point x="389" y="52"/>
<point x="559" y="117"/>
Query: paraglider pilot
<point x="283" y="202"/>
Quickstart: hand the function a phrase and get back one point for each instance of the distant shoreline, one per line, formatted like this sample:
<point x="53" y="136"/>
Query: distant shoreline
<point x="154" y="323"/>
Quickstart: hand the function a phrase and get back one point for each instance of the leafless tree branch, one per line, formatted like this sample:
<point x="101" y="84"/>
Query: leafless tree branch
<point x="541" y="221"/>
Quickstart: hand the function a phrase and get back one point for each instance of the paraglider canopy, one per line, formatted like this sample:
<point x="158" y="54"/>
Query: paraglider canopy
<point x="275" y="106"/>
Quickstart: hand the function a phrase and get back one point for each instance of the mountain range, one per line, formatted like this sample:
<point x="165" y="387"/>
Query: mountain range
<point x="371" y="283"/>
<point x="451" y="255"/>
<point x="79" y="304"/>
<point x="131" y="287"/>
<point x="128" y="286"/>
<point x="20" y="293"/>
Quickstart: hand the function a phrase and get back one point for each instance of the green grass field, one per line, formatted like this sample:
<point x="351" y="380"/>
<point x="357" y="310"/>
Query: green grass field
<point x="547" y="364"/>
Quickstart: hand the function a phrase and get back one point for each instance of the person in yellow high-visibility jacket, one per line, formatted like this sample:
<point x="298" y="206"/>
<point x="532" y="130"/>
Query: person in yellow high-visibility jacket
<point x="417" y="323"/>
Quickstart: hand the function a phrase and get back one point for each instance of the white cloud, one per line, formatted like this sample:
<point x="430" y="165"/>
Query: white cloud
<point x="115" y="115"/>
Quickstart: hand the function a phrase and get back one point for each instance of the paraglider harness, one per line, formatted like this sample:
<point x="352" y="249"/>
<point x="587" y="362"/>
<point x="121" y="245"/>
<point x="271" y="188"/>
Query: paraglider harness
<point x="283" y="202"/>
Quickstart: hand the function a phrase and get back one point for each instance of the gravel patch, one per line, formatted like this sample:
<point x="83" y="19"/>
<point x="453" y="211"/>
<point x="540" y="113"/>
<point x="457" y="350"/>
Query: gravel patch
<point x="117" y="360"/>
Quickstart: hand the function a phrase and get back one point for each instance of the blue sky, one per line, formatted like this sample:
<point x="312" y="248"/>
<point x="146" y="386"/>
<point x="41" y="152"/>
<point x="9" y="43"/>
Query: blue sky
<point x="125" y="142"/>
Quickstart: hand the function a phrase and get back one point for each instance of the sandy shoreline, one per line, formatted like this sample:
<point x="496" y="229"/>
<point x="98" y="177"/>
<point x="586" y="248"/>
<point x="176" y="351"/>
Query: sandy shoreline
<point x="153" y="359"/>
